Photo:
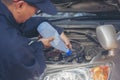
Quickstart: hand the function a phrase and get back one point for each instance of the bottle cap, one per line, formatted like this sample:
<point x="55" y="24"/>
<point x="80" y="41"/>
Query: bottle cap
<point x="69" y="52"/>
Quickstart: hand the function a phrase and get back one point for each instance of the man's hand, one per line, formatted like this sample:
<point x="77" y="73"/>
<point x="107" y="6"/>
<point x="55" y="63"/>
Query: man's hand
<point x="46" y="41"/>
<point x="66" y="40"/>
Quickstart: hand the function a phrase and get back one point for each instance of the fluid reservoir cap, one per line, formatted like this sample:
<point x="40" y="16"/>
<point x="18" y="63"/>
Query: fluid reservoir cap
<point x="69" y="52"/>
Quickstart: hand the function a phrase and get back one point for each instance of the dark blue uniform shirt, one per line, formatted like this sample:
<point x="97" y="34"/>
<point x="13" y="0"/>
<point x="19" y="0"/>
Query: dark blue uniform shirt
<point x="18" y="60"/>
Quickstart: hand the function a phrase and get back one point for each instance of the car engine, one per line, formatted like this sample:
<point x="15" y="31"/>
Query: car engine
<point x="80" y="27"/>
<point x="84" y="45"/>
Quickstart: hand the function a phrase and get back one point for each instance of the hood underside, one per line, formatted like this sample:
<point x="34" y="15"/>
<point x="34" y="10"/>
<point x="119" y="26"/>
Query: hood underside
<point x="87" y="5"/>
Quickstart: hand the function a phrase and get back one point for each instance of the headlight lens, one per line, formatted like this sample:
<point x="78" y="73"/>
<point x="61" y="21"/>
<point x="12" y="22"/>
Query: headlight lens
<point x="74" y="74"/>
<point x="88" y="72"/>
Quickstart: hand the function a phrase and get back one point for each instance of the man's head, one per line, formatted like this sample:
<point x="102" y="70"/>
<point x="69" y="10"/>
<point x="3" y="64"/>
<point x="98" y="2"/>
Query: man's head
<point x="24" y="9"/>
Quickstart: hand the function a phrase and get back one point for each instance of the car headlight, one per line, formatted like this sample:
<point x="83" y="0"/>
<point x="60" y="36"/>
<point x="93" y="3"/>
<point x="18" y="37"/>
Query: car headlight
<point x="98" y="71"/>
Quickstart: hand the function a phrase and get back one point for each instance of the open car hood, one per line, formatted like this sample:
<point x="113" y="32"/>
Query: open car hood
<point x="87" y="5"/>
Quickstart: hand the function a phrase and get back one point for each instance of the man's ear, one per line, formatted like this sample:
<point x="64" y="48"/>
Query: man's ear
<point x="19" y="4"/>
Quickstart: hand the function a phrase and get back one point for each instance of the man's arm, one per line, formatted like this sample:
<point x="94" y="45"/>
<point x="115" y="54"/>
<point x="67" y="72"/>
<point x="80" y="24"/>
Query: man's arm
<point x="29" y="28"/>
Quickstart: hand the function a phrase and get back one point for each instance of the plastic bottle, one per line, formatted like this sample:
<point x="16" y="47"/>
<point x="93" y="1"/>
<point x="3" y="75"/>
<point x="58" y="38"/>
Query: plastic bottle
<point x="46" y="31"/>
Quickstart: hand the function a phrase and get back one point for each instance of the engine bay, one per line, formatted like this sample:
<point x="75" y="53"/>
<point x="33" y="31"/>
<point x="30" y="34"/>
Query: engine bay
<point x="80" y="28"/>
<point x="84" y="46"/>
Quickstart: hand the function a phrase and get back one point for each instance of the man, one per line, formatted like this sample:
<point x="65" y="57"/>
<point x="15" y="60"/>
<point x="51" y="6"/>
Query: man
<point x="21" y="58"/>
